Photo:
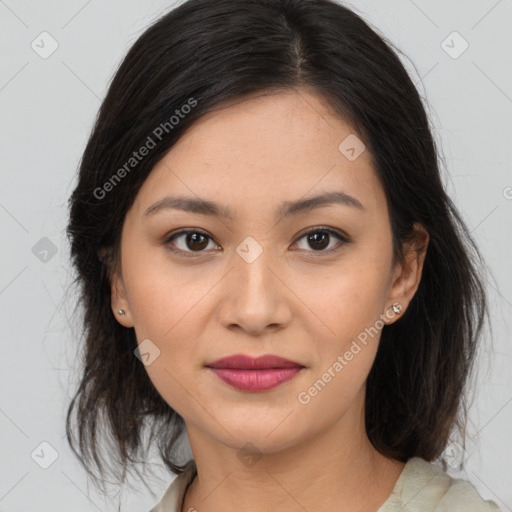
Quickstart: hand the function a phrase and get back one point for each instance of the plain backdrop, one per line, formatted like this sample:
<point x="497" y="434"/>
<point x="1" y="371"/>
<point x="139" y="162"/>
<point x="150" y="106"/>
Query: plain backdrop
<point x="458" y="54"/>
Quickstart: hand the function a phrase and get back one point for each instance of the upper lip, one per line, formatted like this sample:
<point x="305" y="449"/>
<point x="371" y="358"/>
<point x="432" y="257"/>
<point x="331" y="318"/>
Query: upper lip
<point x="244" y="362"/>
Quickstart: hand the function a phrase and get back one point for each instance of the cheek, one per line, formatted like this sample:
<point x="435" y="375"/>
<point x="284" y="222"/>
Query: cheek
<point x="353" y="297"/>
<point x="167" y="309"/>
<point x="350" y="305"/>
<point x="162" y="297"/>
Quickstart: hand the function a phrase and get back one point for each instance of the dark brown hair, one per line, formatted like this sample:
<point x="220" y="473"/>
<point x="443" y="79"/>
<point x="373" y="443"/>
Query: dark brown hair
<point x="216" y="51"/>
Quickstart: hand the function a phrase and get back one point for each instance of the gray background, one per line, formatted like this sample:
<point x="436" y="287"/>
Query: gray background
<point x="47" y="108"/>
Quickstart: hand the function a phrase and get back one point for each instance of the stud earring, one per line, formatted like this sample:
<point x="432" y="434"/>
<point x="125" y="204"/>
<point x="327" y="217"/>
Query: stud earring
<point x="120" y="311"/>
<point x="396" y="308"/>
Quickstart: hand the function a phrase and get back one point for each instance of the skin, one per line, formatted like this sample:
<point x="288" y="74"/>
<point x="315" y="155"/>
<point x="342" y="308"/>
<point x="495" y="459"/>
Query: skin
<point x="292" y="300"/>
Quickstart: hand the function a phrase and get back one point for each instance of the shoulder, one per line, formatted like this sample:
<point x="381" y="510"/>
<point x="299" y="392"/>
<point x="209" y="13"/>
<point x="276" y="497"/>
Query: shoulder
<point x="172" y="500"/>
<point x="422" y="486"/>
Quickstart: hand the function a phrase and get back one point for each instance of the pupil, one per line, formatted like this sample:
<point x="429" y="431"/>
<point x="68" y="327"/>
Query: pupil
<point x="194" y="237"/>
<point x="324" y="237"/>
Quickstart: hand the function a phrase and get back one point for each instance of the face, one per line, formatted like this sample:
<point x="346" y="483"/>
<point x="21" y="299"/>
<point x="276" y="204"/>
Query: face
<point x="263" y="276"/>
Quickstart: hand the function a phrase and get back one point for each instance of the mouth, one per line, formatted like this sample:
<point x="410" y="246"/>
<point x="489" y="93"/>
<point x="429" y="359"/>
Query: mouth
<point x="250" y="374"/>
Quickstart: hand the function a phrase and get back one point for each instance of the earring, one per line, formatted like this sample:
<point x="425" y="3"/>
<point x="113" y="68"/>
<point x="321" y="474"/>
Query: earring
<point x="120" y="311"/>
<point x="396" y="308"/>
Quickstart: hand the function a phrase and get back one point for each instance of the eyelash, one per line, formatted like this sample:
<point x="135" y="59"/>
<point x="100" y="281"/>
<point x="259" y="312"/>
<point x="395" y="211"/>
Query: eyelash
<point x="192" y="254"/>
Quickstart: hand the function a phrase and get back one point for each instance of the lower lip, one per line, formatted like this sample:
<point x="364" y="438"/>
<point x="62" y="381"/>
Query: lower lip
<point x="256" y="380"/>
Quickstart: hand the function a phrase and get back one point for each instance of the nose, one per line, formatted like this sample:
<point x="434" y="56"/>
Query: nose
<point x="255" y="295"/>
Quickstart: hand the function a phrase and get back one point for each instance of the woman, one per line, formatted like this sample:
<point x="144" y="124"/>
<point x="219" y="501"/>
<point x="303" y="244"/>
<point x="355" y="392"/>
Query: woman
<point x="270" y="266"/>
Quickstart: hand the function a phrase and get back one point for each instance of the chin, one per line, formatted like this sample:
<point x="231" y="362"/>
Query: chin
<point x="262" y="434"/>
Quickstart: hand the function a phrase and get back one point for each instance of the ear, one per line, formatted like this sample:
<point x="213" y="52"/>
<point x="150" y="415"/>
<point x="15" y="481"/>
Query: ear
<point x="118" y="295"/>
<point x="119" y="301"/>
<point x="406" y="275"/>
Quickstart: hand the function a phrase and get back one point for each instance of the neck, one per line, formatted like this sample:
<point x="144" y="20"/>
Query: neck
<point x="335" y="466"/>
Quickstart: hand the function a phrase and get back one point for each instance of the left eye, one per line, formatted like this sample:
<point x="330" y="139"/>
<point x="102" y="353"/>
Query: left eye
<point x="320" y="238"/>
<point x="196" y="241"/>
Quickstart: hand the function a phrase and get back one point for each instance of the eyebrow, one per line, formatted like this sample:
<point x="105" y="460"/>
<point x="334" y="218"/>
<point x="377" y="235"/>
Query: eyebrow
<point x="285" y="209"/>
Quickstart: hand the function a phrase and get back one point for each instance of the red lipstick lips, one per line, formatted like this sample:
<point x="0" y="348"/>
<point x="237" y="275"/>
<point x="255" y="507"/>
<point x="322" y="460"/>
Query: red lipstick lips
<point x="255" y="374"/>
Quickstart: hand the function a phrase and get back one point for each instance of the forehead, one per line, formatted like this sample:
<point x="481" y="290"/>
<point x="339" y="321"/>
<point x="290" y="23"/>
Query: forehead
<point x="266" y="149"/>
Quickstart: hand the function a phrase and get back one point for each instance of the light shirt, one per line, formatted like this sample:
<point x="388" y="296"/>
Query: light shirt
<point x="421" y="487"/>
